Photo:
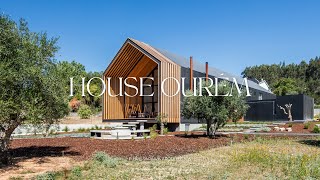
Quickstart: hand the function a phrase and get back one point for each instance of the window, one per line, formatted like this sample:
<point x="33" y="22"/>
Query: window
<point x="150" y="103"/>
<point x="260" y="96"/>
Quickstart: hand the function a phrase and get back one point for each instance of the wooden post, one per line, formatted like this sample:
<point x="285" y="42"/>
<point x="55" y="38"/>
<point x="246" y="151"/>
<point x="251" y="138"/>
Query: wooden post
<point x="191" y="73"/>
<point x="207" y="73"/>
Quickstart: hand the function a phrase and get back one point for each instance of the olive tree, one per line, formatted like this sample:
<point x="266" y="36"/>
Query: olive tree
<point x="30" y="89"/>
<point x="215" y="110"/>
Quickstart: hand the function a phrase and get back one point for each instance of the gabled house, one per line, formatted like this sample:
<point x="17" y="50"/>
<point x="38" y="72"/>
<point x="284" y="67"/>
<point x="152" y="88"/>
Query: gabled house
<point x="138" y="59"/>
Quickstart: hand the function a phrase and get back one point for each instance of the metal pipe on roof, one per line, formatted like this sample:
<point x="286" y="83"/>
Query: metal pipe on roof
<point x="191" y="73"/>
<point x="207" y="73"/>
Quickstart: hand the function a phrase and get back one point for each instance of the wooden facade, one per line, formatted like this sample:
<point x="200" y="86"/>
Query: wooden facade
<point x="137" y="59"/>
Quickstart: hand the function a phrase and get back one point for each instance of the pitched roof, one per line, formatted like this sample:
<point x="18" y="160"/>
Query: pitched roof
<point x="197" y="66"/>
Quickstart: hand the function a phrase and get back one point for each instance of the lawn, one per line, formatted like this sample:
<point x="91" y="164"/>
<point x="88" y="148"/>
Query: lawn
<point x="262" y="158"/>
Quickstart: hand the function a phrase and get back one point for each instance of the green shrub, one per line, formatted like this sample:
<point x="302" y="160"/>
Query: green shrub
<point x="153" y="135"/>
<point x="317" y="116"/>
<point x="246" y="136"/>
<point x="154" y="128"/>
<point x="81" y="130"/>
<point x="153" y="131"/>
<point x="84" y="112"/>
<point x="47" y="176"/>
<point x="306" y="125"/>
<point x="290" y="125"/>
<point x="316" y="129"/>
<point x="317" y="106"/>
<point x="105" y="160"/>
<point x="76" y="172"/>
<point x="165" y="130"/>
<point x="52" y="131"/>
<point x="66" y="129"/>
<point x="145" y="136"/>
<point x="265" y="129"/>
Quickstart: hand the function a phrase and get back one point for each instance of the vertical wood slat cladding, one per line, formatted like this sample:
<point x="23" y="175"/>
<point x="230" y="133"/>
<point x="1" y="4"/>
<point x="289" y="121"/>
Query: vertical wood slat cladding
<point x="133" y="62"/>
<point x="170" y="106"/>
<point x="115" y="105"/>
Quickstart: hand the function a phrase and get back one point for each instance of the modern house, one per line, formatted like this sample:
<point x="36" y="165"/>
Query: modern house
<point x="138" y="59"/>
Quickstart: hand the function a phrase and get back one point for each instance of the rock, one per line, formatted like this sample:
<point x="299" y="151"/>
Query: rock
<point x="289" y="129"/>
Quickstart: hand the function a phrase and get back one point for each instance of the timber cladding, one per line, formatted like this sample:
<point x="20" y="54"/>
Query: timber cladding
<point x="137" y="59"/>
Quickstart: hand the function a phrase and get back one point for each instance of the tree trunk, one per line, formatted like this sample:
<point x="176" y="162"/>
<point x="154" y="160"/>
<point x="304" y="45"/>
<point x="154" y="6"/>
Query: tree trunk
<point x="214" y="128"/>
<point x="4" y="153"/>
<point x="5" y="140"/>
<point x="209" y="128"/>
<point x="290" y="115"/>
<point x="161" y="128"/>
<point x="47" y="130"/>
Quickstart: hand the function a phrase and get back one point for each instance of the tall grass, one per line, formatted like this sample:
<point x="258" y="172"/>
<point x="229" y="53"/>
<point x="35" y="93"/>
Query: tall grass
<point x="293" y="166"/>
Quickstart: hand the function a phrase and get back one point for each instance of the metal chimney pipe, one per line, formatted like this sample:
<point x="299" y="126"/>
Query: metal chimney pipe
<point x="191" y="73"/>
<point x="207" y="73"/>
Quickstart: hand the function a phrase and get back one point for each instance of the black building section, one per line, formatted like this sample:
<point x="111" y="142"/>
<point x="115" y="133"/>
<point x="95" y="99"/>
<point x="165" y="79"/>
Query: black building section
<point x="269" y="110"/>
<point x="261" y="110"/>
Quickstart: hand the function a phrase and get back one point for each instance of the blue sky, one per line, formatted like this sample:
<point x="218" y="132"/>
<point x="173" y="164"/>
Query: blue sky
<point x="230" y="35"/>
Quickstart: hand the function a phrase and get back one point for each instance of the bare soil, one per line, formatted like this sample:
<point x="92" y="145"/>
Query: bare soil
<point x="96" y="120"/>
<point x="28" y="168"/>
<point x="82" y="148"/>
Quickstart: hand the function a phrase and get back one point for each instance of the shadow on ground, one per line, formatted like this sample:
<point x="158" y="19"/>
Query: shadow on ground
<point x="310" y="142"/>
<point x="202" y="135"/>
<point x="41" y="152"/>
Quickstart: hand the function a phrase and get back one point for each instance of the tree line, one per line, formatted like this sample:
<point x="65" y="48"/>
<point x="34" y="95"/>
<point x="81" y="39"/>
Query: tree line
<point x="286" y="79"/>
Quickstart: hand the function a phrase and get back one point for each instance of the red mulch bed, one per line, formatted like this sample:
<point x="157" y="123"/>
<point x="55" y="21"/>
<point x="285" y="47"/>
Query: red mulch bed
<point x="296" y="128"/>
<point x="82" y="148"/>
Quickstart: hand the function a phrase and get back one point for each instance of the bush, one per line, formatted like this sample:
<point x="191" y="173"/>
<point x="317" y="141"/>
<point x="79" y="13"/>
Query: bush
<point x="165" y="130"/>
<point x="84" y="112"/>
<point x="290" y="125"/>
<point x="246" y="136"/>
<point x="52" y="131"/>
<point x="306" y="125"/>
<point x="105" y="160"/>
<point x="82" y="130"/>
<point x="76" y="172"/>
<point x="153" y="135"/>
<point x="47" y="176"/>
<point x="153" y="131"/>
<point x="316" y="129"/>
<point x="66" y="129"/>
<point x="317" y="116"/>
<point x="265" y="129"/>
